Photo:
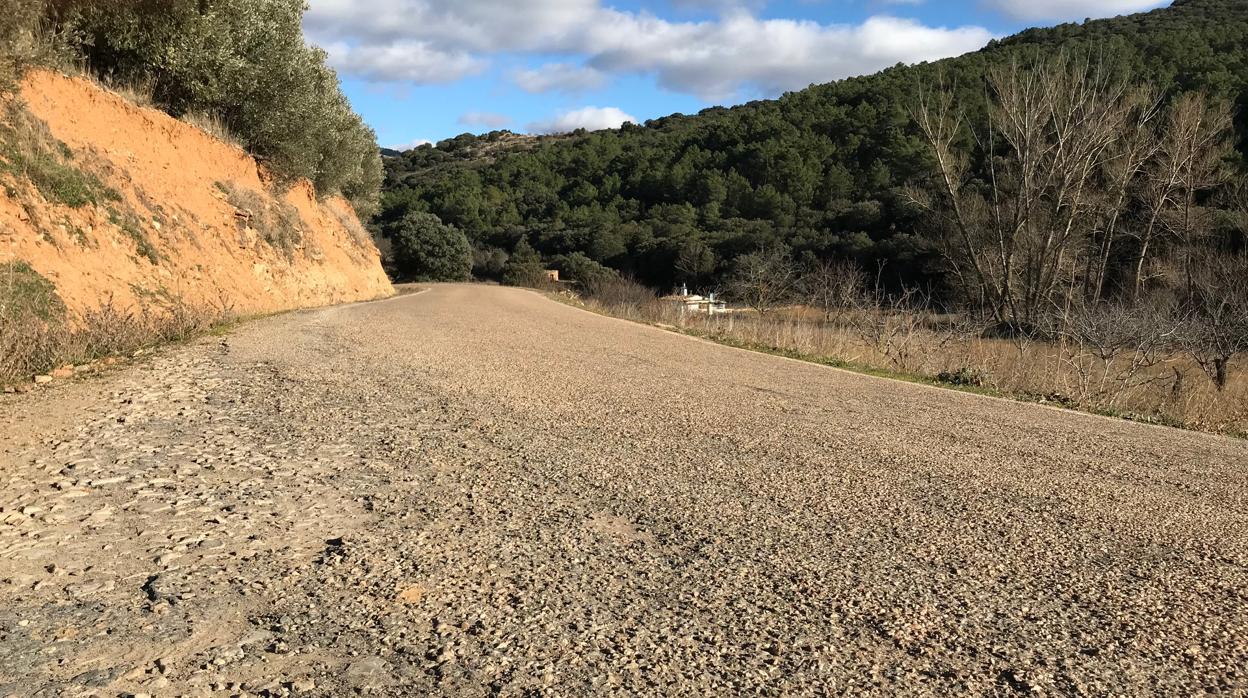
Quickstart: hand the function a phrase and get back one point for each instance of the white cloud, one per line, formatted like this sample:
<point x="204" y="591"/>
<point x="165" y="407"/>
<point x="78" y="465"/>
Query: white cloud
<point x="719" y="5"/>
<point x="471" y="25"/>
<point x="424" y="41"/>
<point x="1071" y="9"/>
<point x="403" y="61"/>
<point x="715" y="60"/>
<point x="404" y="147"/>
<point x="484" y="118"/>
<point x="563" y="77"/>
<point x="588" y="118"/>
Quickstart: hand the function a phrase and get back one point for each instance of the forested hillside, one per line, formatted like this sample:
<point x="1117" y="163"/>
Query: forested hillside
<point x="820" y="171"/>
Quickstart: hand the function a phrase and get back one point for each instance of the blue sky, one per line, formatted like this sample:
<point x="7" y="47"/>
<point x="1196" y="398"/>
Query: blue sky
<point x="424" y="70"/>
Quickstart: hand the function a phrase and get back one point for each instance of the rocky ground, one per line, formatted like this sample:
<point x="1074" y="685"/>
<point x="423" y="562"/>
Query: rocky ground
<point x="478" y="491"/>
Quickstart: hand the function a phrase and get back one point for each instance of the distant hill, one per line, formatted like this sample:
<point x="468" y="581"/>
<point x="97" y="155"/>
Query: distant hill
<point x="818" y="170"/>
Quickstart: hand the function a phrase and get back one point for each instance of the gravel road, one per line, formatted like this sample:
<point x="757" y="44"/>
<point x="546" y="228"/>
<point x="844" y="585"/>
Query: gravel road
<point x="476" y="490"/>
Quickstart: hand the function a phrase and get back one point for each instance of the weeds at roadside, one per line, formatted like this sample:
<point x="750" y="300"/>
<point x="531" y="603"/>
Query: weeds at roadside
<point x="38" y="334"/>
<point x="1038" y="372"/>
<point x="130" y="224"/>
<point x="213" y="126"/>
<point x="351" y="223"/>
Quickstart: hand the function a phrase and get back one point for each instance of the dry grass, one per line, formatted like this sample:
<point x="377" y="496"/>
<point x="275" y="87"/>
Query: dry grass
<point x="140" y="94"/>
<point x="37" y="335"/>
<point x="29" y="151"/>
<point x="351" y="223"/>
<point x="277" y="222"/>
<point x="213" y="126"/>
<point x="1167" y="389"/>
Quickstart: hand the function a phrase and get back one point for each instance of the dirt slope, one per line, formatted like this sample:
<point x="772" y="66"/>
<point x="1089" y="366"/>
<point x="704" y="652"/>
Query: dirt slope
<point x="194" y="218"/>
<point x="478" y="491"/>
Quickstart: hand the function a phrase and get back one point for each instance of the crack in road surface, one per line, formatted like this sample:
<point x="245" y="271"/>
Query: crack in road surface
<point x="479" y="491"/>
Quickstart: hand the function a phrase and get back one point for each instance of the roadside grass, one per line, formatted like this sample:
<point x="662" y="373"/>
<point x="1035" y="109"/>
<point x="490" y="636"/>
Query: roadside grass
<point x="1172" y="393"/>
<point x="38" y="335"/>
<point x="351" y="223"/>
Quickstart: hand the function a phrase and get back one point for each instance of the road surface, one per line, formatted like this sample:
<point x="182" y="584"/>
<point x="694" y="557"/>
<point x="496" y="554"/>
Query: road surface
<point x="477" y="490"/>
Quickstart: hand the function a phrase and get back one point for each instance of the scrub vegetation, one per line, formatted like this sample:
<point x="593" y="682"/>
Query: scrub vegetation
<point x="240" y="67"/>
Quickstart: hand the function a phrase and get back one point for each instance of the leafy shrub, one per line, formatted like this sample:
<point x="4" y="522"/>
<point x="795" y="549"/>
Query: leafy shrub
<point x="245" y="65"/>
<point x="580" y="268"/>
<point x="426" y="249"/>
<point x="19" y="44"/>
<point x="488" y="263"/>
<point x="525" y="267"/>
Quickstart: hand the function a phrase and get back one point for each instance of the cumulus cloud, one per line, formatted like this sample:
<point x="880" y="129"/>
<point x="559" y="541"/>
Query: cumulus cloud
<point x="403" y="61"/>
<point x="588" y="118"/>
<point x="563" y="77"/>
<point x="715" y="59"/>
<point x="410" y="145"/>
<point x="484" y="118"/>
<point x="1071" y="9"/>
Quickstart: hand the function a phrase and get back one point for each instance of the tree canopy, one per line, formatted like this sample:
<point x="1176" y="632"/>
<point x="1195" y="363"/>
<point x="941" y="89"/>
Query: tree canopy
<point x="426" y="249"/>
<point x="243" y="62"/>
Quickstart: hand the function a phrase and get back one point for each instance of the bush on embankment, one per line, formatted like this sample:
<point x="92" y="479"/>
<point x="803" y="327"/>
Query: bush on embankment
<point x="243" y="64"/>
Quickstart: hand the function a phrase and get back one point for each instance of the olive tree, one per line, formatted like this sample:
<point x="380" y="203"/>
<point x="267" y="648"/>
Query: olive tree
<point x="245" y="62"/>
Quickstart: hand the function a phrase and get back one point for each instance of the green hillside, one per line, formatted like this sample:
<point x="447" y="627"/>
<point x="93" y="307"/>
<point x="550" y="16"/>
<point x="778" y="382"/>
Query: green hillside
<point x="819" y="170"/>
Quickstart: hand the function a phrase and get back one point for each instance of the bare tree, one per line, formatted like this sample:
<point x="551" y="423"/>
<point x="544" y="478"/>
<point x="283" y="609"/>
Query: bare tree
<point x="1110" y="347"/>
<point x="892" y="325"/>
<point x="1188" y="164"/>
<point x="1017" y="228"/>
<point x="1129" y="156"/>
<point x="764" y="279"/>
<point x="1215" y="327"/>
<point x="832" y="286"/>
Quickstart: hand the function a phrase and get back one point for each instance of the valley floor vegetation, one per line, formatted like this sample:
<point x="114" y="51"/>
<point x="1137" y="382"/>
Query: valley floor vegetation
<point x="1113" y="362"/>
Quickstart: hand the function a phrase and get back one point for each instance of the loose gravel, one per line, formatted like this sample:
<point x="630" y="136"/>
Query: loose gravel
<point x="476" y="491"/>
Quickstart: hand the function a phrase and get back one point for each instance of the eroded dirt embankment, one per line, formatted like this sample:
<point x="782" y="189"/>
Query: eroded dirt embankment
<point x="182" y="215"/>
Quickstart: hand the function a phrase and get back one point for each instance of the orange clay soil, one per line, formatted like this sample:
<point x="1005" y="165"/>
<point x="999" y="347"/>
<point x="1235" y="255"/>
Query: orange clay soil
<point x="173" y="180"/>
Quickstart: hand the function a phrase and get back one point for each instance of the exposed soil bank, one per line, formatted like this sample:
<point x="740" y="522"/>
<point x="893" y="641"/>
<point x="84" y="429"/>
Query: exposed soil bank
<point x="185" y="216"/>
